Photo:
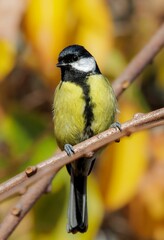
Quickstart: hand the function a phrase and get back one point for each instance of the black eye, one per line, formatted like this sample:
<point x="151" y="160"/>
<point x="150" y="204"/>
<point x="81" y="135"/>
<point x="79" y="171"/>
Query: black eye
<point x="74" y="58"/>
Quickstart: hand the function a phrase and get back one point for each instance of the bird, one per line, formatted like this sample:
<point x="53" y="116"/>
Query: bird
<point x="84" y="105"/>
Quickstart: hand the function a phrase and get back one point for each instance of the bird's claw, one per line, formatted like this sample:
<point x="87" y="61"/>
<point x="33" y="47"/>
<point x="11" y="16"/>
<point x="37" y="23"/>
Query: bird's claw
<point x="69" y="149"/>
<point x="116" y="125"/>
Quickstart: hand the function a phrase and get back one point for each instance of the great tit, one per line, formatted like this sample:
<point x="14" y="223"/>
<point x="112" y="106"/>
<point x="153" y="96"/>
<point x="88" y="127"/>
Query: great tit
<point x="84" y="105"/>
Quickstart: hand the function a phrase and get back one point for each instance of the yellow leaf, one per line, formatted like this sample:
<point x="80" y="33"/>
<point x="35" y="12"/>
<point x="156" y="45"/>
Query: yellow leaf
<point x="123" y="165"/>
<point x="7" y="58"/>
<point x="129" y="163"/>
<point x="95" y="31"/>
<point x="45" y="29"/>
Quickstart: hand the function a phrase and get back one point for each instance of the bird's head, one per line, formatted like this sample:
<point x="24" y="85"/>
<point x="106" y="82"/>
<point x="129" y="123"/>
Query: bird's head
<point x="77" y="58"/>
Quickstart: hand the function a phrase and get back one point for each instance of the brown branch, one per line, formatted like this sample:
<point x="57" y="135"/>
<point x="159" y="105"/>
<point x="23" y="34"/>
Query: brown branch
<point x="22" y="207"/>
<point x="52" y="165"/>
<point x="138" y="123"/>
<point x="49" y="167"/>
<point x="141" y="60"/>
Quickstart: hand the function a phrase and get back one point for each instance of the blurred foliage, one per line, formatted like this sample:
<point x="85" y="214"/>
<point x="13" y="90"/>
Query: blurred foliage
<point x="121" y="165"/>
<point x="126" y="193"/>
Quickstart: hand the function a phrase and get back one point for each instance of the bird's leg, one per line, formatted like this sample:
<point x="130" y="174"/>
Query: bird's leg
<point x="116" y="125"/>
<point x="69" y="149"/>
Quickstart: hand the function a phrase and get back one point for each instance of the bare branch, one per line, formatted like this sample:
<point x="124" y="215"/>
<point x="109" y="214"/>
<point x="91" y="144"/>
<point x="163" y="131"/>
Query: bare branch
<point x="25" y="203"/>
<point x="52" y="165"/>
<point x="138" y="123"/>
<point x="136" y="66"/>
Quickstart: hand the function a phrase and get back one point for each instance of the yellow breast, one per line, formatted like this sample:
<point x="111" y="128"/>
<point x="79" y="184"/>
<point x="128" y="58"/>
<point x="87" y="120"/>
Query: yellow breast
<point x="104" y="103"/>
<point x="68" y="113"/>
<point x="69" y="105"/>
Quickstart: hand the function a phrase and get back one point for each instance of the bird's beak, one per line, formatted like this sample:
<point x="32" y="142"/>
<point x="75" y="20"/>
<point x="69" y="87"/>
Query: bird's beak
<point x="60" y="64"/>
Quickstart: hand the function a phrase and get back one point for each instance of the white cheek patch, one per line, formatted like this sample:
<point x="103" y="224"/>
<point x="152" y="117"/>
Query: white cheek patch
<point x="84" y="64"/>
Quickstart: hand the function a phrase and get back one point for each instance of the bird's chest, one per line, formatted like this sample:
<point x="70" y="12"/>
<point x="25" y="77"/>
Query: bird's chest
<point x="82" y="111"/>
<point x="69" y="108"/>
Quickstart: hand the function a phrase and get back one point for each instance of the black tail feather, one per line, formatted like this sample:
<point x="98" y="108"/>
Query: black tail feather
<point x="77" y="211"/>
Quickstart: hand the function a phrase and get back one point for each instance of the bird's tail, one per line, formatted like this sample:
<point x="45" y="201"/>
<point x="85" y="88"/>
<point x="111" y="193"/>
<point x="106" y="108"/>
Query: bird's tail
<point x="77" y="211"/>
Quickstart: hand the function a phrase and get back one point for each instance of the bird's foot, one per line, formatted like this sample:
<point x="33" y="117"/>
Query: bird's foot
<point x="116" y="125"/>
<point x="69" y="149"/>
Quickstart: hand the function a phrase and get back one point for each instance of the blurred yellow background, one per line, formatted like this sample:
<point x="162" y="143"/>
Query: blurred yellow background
<point x="126" y="190"/>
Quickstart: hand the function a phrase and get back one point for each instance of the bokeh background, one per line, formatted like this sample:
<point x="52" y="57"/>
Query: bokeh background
<point x="126" y="189"/>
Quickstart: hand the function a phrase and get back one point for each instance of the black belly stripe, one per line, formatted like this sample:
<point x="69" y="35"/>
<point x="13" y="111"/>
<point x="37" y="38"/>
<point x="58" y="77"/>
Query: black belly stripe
<point x="88" y="111"/>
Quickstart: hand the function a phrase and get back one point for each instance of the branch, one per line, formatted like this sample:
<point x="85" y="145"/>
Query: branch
<point x="31" y="174"/>
<point x="52" y="165"/>
<point x="25" y="203"/>
<point x="143" y="58"/>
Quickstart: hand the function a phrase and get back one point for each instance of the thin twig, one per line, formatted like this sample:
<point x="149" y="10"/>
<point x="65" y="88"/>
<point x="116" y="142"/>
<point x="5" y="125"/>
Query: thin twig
<point x="141" y="60"/>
